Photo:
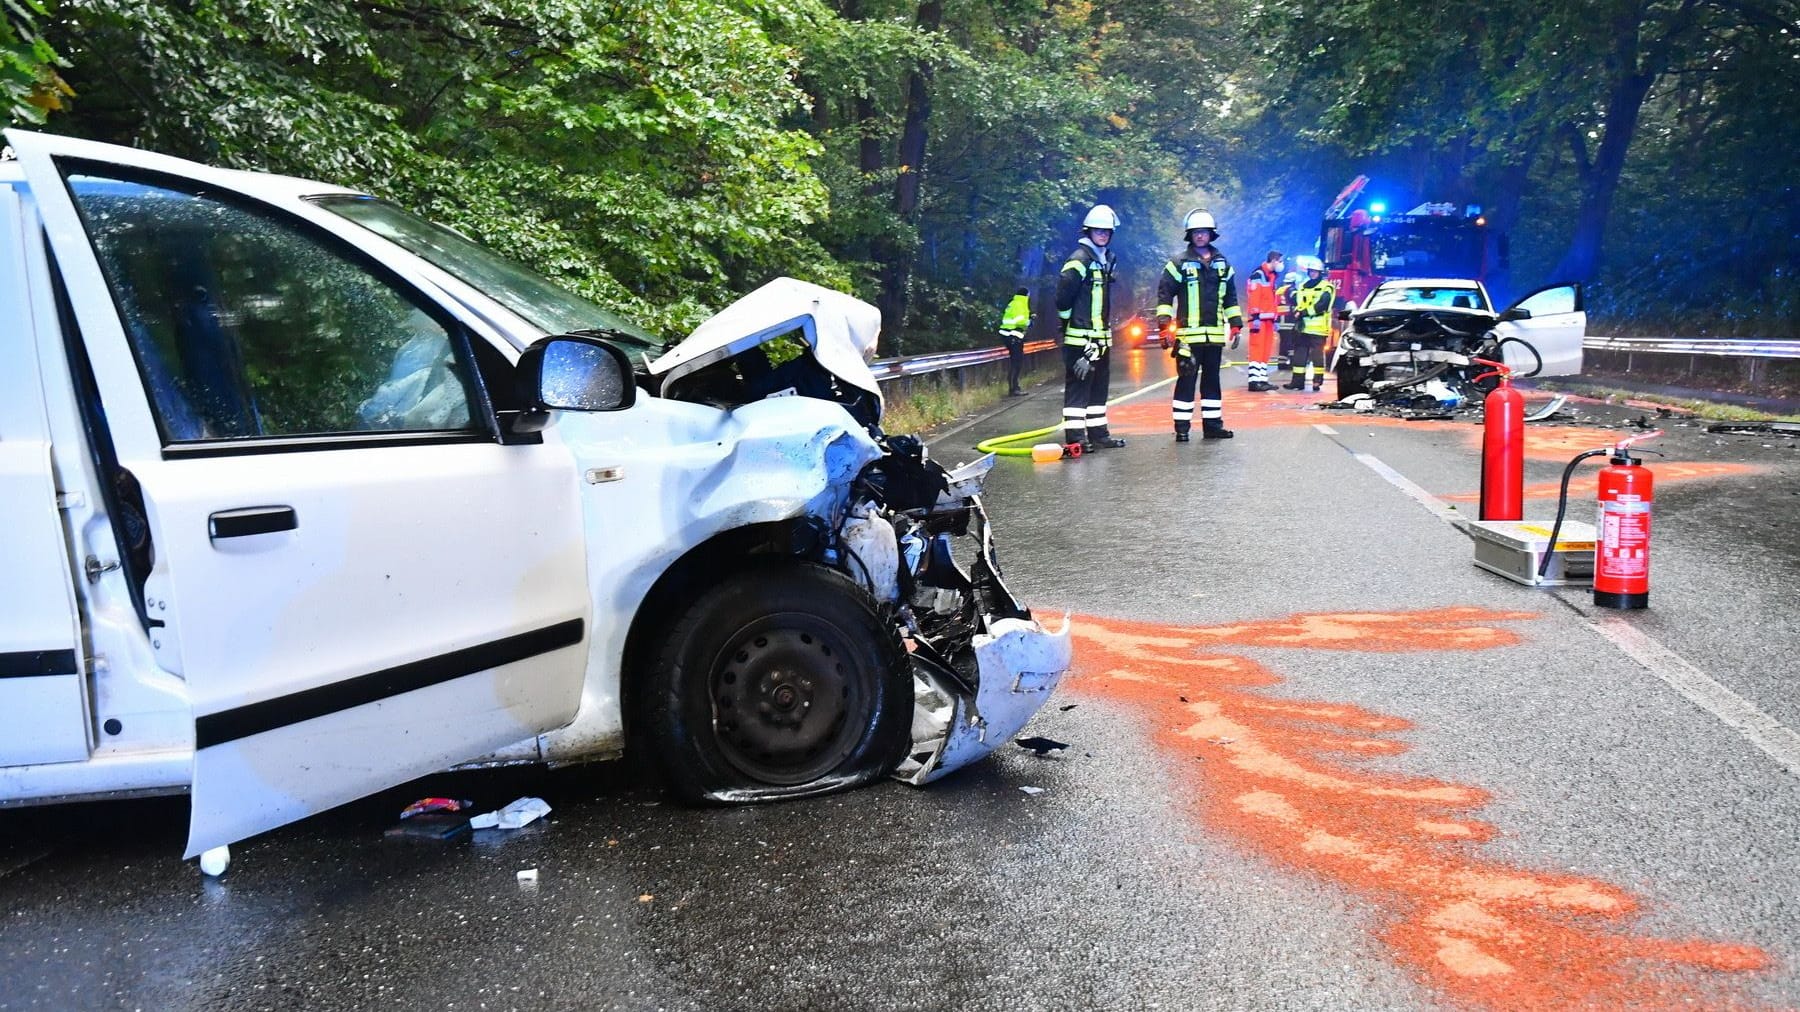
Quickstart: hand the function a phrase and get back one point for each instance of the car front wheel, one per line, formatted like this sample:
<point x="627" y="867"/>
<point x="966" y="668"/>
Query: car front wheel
<point x="779" y="682"/>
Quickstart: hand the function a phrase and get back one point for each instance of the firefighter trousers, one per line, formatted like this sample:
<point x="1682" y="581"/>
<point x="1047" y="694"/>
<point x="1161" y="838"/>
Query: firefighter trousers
<point x="1308" y="360"/>
<point x="1205" y="372"/>
<point x="1084" y="400"/>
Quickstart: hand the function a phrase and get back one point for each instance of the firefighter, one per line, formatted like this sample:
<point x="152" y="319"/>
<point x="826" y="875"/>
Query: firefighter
<point x="1264" y="290"/>
<point x="1084" y="303"/>
<point x="1197" y="293"/>
<point x="1014" y="322"/>
<point x="1315" y="299"/>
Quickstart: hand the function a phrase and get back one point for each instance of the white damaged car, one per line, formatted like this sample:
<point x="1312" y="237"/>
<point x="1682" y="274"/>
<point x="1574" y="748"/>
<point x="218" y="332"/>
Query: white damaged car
<point x="307" y="497"/>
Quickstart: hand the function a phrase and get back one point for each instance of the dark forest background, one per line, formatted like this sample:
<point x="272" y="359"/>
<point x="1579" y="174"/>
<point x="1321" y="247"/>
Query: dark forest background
<point x="931" y="155"/>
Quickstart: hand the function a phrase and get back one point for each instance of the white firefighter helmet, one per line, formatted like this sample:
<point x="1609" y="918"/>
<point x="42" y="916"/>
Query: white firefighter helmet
<point x="1307" y="263"/>
<point x="1199" y="217"/>
<point x="1100" y="216"/>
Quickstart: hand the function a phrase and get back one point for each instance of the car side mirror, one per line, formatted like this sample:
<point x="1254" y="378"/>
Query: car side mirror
<point x="1343" y="314"/>
<point x="1515" y="313"/>
<point x="570" y="373"/>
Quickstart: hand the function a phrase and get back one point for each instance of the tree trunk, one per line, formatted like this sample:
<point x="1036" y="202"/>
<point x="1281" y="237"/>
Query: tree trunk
<point x="1634" y="67"/>
<point x="1600" y="181"/>
<point x="896" y="274"/>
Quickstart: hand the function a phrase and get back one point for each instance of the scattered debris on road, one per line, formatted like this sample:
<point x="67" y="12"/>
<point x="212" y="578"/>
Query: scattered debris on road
<point x="1756" y="428"/>
<point x="429" y="826"/>
<point x="1032" y="790"/>
<point x="215" y="861"/>
<point x="1042" y="746"/>
<point x="517" y="815"/>
<point x="424" y="805"/>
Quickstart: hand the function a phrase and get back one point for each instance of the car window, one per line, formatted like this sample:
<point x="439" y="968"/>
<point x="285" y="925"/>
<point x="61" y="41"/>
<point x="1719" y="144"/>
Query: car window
<point x="246" y="326"/>
<point x="1414" y="297"/>
<point x="529" y="295"/>
<point x="1551" y="301"/>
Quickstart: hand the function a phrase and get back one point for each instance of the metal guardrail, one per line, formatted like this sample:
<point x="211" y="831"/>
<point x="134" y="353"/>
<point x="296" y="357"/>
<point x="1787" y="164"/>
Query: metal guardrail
<point x="919" y="365"/>
<point x="1722" y="347"/>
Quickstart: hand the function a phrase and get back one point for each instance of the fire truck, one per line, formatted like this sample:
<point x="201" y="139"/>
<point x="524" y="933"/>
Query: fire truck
<point x="1363" y="245"/>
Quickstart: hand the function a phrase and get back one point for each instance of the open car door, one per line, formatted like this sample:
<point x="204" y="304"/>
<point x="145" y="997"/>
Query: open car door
<point x="44" y="708"/>
<point x="358" y="581"/>
<point x="1556" y="326"/>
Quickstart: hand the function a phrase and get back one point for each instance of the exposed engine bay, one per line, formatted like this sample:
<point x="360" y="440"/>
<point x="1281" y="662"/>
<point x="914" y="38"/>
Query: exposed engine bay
<point x="911" y="532"/>
<point x="1422" y="359"/>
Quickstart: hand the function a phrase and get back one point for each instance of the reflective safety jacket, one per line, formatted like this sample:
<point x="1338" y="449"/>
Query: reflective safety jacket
<point x="1264" y="293"/>
<point x="1200" y="295"/>
<point x="1017" y="317"/>
<point x="1313" y="303"/>
<point x="1084" y="295"/>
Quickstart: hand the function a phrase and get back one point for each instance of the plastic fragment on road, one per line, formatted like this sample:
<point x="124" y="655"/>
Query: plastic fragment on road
<point x="527" y="875"/>
<point x="429" y="826"/>
<point x="215" y="861"/>
<point x="1032" y="790"/>
<point x="424" y="805"/>
<point x="517" y="815"/>
<point x="1041" y="746"/>
<point x="1550" y="410"/>
<point x="1757" y="428"/>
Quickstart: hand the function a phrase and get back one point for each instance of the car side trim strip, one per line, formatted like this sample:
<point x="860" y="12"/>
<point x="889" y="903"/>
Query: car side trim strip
<point x="271" y="714"/>
<point x="35" y="663"/>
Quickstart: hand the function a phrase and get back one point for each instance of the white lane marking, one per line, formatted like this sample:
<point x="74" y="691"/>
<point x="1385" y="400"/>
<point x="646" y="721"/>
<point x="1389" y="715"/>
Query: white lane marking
<point x="1439" y="508"/>
<point x="945" y="435"/>
<point x="1328" y="430"/>
<point x="1769" y="735"/>
<point x="1774" y="738"/>
<point x="1122" y="398"/>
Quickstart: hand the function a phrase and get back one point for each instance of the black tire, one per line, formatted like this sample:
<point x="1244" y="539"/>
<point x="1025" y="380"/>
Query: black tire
<point x="780" y="682"/>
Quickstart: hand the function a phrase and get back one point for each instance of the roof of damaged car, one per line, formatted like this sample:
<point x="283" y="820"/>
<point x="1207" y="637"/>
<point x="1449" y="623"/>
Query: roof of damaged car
<point x="840" y="330"/>
<point x="1393" y="295"/>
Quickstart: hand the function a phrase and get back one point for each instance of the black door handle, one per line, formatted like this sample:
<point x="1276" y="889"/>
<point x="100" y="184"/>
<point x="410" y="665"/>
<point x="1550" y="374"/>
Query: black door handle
<point x="242" y="523"/>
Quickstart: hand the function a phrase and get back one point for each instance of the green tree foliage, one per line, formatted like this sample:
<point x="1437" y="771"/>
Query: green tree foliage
<point x="932" y="155"/>
<point x="28" y="66"/>
<point x="637" y="150"/>
<point x="1580" y="124"/>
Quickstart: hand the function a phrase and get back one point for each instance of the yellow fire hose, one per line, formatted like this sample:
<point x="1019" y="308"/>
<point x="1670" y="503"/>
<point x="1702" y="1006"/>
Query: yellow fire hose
<point x="997" y="445"/>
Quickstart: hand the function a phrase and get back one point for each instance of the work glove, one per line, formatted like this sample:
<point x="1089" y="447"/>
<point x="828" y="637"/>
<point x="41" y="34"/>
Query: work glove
<point x="1236" y="330"/>
<point x="1082" y="367"/>
<point x="1093" y="352"/>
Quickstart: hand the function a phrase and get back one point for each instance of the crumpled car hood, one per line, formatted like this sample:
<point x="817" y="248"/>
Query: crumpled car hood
<point x="839" y="330"/>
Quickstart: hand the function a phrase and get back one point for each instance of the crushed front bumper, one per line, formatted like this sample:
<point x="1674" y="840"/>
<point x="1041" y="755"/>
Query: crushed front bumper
<point x="982" y="666"/>
<point x="1019" y="663"/>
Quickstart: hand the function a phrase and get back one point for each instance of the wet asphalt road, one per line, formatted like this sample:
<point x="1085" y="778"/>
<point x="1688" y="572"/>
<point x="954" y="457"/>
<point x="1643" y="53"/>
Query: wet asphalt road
<point x="1536" y="818"/>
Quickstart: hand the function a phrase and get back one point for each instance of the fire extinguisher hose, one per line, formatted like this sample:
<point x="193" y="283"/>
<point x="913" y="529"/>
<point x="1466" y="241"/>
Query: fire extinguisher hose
<point x="1562" y="505"/>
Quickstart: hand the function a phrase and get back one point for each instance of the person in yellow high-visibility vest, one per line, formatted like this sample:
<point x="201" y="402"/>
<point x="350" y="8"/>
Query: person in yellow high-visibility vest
<point x="1197" y="298"/>
<point x="1014" y="322"/>
<point x="1315" y="303"/>
<point x="1084" y="303"/>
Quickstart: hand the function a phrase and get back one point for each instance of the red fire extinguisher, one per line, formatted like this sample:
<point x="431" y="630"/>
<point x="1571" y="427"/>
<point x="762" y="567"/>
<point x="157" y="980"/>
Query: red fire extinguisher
<point x="1622" y="539"/>
<point x="1502" y="447"/>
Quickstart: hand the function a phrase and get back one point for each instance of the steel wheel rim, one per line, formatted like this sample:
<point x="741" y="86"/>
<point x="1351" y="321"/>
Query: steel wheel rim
<point x="783" y="698"/>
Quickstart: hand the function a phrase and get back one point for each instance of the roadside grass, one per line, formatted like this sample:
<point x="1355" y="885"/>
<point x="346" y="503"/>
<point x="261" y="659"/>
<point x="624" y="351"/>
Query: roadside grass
<point x="932" y="405"/>
<point x="1710" y="410"/>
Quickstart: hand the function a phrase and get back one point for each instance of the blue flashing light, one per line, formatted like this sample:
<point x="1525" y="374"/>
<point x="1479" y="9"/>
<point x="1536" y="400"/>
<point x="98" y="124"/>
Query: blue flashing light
<point x="1378" y="207"/>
